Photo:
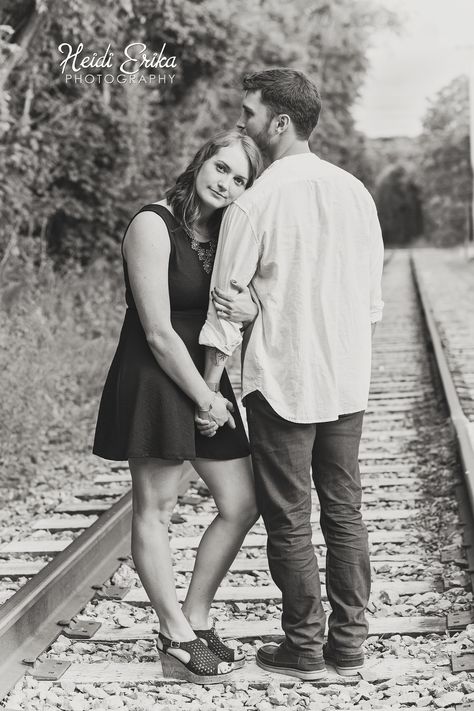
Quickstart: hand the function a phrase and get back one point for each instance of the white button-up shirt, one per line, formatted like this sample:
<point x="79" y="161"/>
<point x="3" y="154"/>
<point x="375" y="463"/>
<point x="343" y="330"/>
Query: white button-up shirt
<point x="307" y="239"/>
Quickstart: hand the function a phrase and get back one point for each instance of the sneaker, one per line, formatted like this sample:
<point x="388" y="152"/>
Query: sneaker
<point x="344" y="664"/>
<point x="277" y="658"/>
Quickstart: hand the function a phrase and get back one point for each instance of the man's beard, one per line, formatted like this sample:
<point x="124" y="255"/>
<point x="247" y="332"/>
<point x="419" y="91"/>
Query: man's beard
<point x="262" y="139"/>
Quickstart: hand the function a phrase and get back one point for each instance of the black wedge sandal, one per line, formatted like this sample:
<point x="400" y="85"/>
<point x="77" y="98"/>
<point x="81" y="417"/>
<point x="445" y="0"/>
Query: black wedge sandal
<point x="203" y="667"/>
<point x="221" y="650"/>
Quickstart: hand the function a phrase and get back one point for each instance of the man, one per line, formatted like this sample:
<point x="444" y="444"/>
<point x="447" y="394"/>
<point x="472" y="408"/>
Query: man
<point x="307" y="240"/>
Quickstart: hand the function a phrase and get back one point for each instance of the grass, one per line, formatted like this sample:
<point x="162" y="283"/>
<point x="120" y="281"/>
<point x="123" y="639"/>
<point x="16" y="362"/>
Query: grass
<point x="57" y="339"/>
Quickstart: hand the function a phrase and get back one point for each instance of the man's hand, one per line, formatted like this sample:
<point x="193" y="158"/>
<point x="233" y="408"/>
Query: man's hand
<point x="220" y="411"/>
<point x="235" y="305"/>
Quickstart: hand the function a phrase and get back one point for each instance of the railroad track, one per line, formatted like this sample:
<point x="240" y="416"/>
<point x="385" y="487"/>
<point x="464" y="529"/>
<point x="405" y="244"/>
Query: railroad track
<point x="82" y="617"/>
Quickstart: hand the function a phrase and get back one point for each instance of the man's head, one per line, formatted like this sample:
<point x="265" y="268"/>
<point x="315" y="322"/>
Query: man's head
<point x="278" y="104"/>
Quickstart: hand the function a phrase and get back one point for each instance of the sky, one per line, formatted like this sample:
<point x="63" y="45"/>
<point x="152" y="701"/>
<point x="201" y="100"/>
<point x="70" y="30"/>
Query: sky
<point x="407" y="68"/>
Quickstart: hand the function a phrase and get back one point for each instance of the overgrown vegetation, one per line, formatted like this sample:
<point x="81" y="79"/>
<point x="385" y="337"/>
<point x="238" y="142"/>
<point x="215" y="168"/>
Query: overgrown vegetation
<point x="57" y="337"/>
<point x="76" y="159"/>
<point x="398" y="205"/>
<point x="445" y="173"/>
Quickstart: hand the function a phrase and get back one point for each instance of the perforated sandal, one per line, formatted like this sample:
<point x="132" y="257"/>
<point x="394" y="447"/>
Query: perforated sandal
<point x="221" y="650"/>
<point x="203" y="667"/>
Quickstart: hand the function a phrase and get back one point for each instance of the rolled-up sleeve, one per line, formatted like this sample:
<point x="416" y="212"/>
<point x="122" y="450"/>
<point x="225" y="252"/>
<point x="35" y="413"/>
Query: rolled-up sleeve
<point x="376" y="267"/>
<point x="236" y="258"/>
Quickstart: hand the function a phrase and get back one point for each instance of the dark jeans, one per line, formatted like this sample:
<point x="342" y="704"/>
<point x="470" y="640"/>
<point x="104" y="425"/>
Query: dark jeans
<point x="282" y="454"/>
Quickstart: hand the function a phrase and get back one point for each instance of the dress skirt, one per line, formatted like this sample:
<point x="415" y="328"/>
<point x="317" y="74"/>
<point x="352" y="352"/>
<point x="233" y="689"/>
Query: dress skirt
<point x="143" y="413"/>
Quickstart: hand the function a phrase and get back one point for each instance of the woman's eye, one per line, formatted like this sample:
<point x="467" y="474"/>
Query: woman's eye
<point x="220" y="167"/>
<point x="239" y="181"/>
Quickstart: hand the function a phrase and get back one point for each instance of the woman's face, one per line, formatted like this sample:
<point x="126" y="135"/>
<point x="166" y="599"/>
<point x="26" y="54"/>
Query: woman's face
<point x="223" y="177"/>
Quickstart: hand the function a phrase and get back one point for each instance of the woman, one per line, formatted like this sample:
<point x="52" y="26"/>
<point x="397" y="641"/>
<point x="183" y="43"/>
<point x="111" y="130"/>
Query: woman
<point x="153" y="389"/>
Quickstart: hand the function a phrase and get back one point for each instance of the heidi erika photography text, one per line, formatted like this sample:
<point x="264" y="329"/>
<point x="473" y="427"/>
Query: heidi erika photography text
<point x="80" y="66"/>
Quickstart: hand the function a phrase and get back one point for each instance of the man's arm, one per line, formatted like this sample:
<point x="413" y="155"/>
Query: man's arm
<point x="215" y="364"/>
<point x="376" y="268"/>
<point x="236" y="258"/>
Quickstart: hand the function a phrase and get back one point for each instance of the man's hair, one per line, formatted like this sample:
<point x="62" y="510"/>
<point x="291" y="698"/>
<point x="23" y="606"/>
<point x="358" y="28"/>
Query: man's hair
<point x="287" y="91"/>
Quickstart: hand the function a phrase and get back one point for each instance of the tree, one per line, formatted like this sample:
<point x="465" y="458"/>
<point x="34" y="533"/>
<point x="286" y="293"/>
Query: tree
<point x="399" y="206"/>
<point x="445" y="172"/>
<point x="77" y="159"/>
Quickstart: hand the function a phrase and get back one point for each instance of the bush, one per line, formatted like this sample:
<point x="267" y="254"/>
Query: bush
<point x="445" y="171"/>
<point x="58" y="336"/>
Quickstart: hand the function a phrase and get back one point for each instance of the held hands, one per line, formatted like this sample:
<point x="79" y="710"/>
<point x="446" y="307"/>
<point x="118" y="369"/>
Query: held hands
<point x="209" y="421"/>
<point x="235" y="305"/>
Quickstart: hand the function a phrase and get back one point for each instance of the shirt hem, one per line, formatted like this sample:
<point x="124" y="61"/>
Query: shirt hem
<point x="308" y="419"/>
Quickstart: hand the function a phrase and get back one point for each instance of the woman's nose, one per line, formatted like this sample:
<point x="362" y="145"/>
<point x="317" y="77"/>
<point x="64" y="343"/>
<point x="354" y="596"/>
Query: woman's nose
<point x="223" y="182"/>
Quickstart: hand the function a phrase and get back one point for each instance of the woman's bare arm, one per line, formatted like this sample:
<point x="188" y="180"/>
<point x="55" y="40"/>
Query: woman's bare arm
<point x="147" y="250"/>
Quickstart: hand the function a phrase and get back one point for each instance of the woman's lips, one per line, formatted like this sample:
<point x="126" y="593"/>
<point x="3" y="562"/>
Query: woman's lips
<point x="220" y="195"/>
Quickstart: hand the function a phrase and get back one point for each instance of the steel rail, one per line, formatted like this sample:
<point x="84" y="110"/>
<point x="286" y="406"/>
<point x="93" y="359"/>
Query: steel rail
<point x="29" y="619"/>
<point x="463" y="428"/>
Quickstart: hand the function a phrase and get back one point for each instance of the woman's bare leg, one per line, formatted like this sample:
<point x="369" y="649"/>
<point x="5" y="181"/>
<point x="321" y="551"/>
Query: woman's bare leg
<point x="155" y="492"/>
<point x="231" y="484"/>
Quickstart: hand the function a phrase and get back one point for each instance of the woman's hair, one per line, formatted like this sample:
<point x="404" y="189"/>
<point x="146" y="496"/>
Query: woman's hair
<point x="183" y="198"/>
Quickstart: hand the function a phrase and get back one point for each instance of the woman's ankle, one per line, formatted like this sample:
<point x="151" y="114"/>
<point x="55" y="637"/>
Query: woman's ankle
<point x="198" y="620"/>
<point x="177" y="630"/>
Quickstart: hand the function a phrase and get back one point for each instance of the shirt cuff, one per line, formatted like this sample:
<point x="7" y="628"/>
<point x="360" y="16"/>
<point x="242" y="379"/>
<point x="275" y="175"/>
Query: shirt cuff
<point x="376" y="315"/>
<point x="212" y="338"/>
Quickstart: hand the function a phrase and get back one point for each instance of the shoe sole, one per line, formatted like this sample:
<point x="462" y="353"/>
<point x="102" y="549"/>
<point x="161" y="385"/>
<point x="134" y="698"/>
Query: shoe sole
<point x="173" y="668"/>
<point x="345" y="671"/>
<point x="290" y="671"/>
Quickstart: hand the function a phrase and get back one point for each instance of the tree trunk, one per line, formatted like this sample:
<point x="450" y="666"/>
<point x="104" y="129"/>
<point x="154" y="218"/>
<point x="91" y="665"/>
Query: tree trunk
<point x="22" y="38"/>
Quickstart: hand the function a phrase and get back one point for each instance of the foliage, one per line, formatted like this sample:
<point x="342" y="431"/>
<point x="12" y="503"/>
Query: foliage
<point x="399" y="206"/>
<point x="390" y="150"/>
<point x="445" y="172"/>
<point x="77" y="159"/>
<point x="58" y="333"/>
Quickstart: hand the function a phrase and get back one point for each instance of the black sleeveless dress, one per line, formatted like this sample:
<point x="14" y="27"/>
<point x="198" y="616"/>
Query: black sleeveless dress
<point x="142" y="412"/>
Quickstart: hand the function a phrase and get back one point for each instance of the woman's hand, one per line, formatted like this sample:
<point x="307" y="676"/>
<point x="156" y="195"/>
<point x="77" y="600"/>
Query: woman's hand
<point x="206" y="427"/>
<point x="209" y="421"/>
<point x="236" y="305"/>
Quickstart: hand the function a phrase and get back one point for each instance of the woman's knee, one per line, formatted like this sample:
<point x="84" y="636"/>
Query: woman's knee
<point x="155" y="490"/>
<point x="241" y="512"/>
<point x="154" y="508"/>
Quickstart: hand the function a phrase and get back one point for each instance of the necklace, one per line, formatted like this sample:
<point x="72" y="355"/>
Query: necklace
<point x="206" y="251"/>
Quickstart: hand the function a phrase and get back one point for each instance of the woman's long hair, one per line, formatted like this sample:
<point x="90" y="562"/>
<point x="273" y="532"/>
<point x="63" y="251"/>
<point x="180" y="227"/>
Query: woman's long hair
<point x="183" y="198"/>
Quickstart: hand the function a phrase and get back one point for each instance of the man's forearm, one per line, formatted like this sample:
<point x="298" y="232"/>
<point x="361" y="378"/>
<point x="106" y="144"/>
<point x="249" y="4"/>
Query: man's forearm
<point x="215" y="363"/>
